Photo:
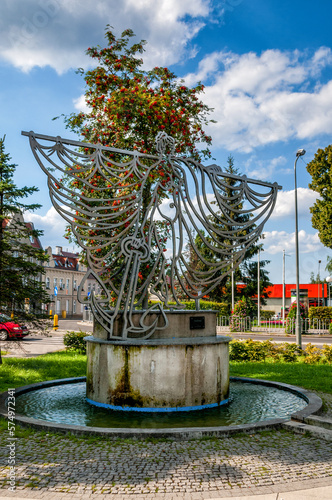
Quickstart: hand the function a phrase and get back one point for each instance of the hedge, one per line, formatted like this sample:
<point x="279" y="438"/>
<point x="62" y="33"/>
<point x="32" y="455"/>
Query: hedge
<point x="320" y="313"/>
<point x="267" y="314"/>
<point x="255" y="350"/>
<point x="222" y="308"/>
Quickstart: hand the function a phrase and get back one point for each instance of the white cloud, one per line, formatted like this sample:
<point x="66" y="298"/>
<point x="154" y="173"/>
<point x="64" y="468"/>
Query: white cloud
<point x="285" y="206"/>
<point x="80" y="104"/>
<point x="262" y="99"/>
<point x="277" y="241"/>
<point x="53" y="226"/>
<point x="264" y="170"/>
<point x="57" y="32"/>
<point x="311" y="251"/>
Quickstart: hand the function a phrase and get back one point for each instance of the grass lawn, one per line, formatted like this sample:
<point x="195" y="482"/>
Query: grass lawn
<point x="15" y="372"/>
<point x="315" y="377"/>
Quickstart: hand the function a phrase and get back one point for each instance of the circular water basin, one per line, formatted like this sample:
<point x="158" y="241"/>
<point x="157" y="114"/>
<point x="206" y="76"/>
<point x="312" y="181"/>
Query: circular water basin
<point x="249" y="403"/>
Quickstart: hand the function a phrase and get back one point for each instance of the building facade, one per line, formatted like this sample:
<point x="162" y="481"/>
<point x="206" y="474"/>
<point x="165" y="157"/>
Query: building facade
<point x="63" y="275"/>
<point x="311" y="295"/>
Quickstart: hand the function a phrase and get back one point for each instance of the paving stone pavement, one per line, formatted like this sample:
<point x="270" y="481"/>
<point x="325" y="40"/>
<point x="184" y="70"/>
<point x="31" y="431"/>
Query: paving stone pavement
<point x="50" y="464"/>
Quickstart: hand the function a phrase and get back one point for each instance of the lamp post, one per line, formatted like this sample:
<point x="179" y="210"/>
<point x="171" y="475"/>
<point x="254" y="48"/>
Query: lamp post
<point x="299" y="153"/>
<point x="329" y="281"/>
<point x="283" y="286"/>
<point x="233" y="291"/>
<point x="318" y="292"/>
<point x="259" y="289"/>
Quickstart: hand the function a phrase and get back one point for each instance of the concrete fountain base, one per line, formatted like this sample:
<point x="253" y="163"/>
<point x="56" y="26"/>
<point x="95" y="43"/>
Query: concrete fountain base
<point x="158" y="375"/>
<point x="161" y="374"/>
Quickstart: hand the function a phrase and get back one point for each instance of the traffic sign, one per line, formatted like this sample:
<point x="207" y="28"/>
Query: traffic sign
<point x="55" y="290"/>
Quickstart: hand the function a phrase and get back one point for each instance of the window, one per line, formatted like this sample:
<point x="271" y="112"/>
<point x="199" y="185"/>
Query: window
<point x="67" y="283"/>
<point x="55" y="282"/>
<point x="48" y="284"/>
<point x="89" y="288"/>
<point x="75" y="284"/>
<point x="74" y="306"/>
<point x="62" y="286"/>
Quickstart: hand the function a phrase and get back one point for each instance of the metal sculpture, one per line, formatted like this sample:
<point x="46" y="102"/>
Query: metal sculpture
<point x="125" y="208"/>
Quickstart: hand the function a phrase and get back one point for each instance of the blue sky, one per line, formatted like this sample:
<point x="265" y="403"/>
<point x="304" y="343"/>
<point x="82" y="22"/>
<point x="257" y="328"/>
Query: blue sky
<point x="267" y="68"/>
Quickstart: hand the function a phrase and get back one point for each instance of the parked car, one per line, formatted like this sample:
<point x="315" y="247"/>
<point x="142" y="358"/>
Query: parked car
<point x="9" y="329"/>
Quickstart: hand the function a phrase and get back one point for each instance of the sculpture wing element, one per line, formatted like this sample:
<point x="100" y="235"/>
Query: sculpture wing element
<point x="218" y="216"/>
<point x="135" y="216"/>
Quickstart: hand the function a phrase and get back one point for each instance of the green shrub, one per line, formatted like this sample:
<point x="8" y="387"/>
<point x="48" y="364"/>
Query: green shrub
<point x="222" y="307"/>
<point x="248" y="350"/>
<point x="327" y="352"/>
<point x="254" y="350"/>
<point x="74" y="341"/>
<point x="238" y="351"/>
<point x="290" y="352"/>
<point x="312" y="354"/>
<point x="244" y="309"/>
<point x="267" y="314"/>
<point x="290" y="327"/>
<point x="320" y="313"/>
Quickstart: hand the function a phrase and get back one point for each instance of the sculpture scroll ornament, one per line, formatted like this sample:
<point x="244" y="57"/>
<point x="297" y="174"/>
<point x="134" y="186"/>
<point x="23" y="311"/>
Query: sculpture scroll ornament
<point x="135" y="215"/>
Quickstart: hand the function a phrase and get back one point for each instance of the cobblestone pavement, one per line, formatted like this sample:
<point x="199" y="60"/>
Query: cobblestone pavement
<point x="203" y="468"/>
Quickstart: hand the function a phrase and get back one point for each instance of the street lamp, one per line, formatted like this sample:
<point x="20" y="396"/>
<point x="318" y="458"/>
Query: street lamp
<point x="258" y="289"/>
<point x="299" y="153"/>
<point x="259" y="283"/>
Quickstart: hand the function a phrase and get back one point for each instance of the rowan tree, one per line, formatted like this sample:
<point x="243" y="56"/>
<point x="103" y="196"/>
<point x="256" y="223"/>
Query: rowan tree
<point x="320" y="169"/>
<point x="127" y="107"/>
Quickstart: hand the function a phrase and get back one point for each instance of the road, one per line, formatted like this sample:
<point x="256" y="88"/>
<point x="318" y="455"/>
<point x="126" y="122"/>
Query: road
<point x="317" y="340"/>
<point x="74" y="325"/>
<point x="35" y="345"/>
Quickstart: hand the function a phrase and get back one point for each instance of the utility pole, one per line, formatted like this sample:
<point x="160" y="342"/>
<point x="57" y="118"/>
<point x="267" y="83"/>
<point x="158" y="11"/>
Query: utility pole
<point x="258" y="290"/>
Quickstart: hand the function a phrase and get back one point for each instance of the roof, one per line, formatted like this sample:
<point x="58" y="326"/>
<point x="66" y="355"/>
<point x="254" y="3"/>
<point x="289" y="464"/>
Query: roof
<point x="314" y="290"/>
<point x="64" y="262"/>
<point x="35" y="242"/>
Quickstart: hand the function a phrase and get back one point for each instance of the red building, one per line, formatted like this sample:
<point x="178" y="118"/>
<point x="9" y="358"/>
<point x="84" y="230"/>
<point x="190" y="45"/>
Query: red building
<point x="311" y="294"/>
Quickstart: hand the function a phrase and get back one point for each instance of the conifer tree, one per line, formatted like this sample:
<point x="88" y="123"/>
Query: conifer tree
<point x="20" y="262"/>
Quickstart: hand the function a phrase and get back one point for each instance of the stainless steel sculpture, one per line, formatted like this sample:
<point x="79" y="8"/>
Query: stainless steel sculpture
<point x="136" y="214"/>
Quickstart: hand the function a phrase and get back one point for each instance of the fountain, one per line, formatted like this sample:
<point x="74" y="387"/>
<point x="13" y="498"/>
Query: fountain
<point x="123" y="208"/>
<point x="164" y="227"/>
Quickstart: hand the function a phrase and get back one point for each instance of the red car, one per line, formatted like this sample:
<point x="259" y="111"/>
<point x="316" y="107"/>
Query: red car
<point x="9" y="329"/>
